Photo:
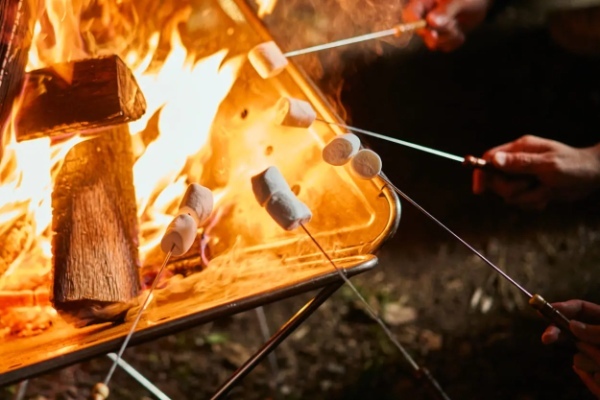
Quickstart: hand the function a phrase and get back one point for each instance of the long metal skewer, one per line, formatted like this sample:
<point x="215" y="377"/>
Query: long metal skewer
<point x="138" y="377"/>
<point x="397" y="141"/>
<point x="535" y="300"/>
<point x="395" y="31"/>
<point x="418" y="371"/>
<point x="137" y="318"/>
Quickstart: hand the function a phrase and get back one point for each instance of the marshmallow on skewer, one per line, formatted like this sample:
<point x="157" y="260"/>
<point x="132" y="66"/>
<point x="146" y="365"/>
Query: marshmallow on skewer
<point x="366" y="164"/>
<point x="267" y="59"/>
<point x="273" y="192"/>
<point x="294" y="112"/>
<point x="100" y="391"/>
<point x="341" y="149"/>
<point x="267" y="183"/>
<point x="197" y="202"/>
<point x="180" y="235"/>
<point x="287" y="210"/>
<point x="195" y="207"/>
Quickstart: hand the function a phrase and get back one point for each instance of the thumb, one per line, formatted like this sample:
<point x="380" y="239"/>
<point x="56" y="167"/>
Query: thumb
<point x="443" y="17"/>
<point x="518" y="163"/>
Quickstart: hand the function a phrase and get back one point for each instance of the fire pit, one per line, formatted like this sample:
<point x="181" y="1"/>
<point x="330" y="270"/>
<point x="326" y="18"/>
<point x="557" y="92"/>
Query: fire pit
<point x="208" y="119"/>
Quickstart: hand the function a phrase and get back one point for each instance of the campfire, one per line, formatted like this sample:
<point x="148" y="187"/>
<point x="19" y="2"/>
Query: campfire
<point x="123" y="105"/>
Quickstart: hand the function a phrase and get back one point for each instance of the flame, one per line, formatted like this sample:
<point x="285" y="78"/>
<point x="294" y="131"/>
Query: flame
<point x="265" y="7"/>
<point x="184" y="94"/>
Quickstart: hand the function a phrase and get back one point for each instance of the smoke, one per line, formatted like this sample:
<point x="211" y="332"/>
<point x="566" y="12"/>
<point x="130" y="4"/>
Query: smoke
<point x="297" y="24"/>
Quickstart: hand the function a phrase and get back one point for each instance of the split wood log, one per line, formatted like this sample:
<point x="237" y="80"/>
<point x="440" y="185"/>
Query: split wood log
<point x="94" y="219"/>
<point x="17" y="19"/>
<point x="84" y="95"/>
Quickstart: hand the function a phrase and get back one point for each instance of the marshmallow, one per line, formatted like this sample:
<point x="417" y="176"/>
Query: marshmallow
<point x="289" y="212"/>
<point x="294" y="112"/>
<point x="366" y="164"/>
<point x="267" y="59"/>
<point x="341" y="149"/>
<point x="267" y="183"/>
<point x="100" y="391"/>
<point x="197" y="202"/>
<point x="180" y="235"/>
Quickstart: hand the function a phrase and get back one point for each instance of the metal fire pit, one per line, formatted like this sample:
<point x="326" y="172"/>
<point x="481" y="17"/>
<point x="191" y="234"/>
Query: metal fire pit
<point x="352" y="217"/>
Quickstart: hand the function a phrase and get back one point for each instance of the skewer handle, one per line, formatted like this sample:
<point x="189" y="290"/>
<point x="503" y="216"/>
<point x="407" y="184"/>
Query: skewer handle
<point x="484" y="165"/>
<point x="551" y="313"/>
<point x="478" y="163"/>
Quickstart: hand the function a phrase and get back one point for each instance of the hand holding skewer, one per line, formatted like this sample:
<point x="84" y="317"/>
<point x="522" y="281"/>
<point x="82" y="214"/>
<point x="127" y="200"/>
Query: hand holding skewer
<point x="561" y="172"/>
<point x="585" y="327"/>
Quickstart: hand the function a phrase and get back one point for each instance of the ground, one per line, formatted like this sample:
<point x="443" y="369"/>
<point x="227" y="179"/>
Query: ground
<point x="469" y="327"/>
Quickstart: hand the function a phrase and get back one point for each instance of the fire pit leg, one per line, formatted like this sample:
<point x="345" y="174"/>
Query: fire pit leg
<point x="277" y="338"/>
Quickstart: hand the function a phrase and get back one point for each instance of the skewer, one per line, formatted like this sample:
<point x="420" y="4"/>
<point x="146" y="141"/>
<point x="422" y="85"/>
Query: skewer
<point x="395" y="31"/>
<point x="369" y="166"/>
<point x="272" y="191"/>
<point x="418" y="371"/>
<point x="467" y="161"/>
<point x="138" y="377"/>
<point x="195" y="207"/>
<point x="137" y="319"/>
<point x="268" y="60"/>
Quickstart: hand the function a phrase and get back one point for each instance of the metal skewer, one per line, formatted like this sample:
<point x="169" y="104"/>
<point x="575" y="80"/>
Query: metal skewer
<point x="536" y="301"/>
<point x="138" y="377"/>
<point x="395" y="31"/>
<point x="418" y="371"/>
<point x="137" y="318"/>
<point x="468" y="161"/>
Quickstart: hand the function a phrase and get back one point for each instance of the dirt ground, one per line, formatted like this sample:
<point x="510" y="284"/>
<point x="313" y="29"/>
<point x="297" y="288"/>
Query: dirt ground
<point x="470" y="328"/>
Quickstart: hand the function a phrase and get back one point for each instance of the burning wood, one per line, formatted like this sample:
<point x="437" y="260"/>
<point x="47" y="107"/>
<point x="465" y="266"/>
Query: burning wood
<point x="95" y="223"/>
<point x="76" y="96"/>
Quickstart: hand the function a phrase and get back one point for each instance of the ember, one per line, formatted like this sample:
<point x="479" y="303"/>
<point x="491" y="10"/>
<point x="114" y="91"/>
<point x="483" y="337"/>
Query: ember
<point x="209" y="118"/>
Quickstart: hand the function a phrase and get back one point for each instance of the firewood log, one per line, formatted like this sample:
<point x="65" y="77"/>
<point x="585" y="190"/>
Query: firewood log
<point x="78" y="96"/>
<point x="95" y="225"/>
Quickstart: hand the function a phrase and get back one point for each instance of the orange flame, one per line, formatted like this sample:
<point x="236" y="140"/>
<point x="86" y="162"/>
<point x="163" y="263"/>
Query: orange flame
<point x="183" y="94"/>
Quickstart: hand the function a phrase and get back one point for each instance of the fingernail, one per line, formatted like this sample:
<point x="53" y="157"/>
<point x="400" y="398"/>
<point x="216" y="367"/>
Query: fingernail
<point x="578" y="325"/>
<point x="500" y="158"/>
<point x="439" y="20"/>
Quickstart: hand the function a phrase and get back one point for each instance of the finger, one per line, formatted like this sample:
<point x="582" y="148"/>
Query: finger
<point x="479" y="181"/>
<point x="451" y="41"/>
<point x="508" y="189"/>
<point x="534" y="198"/>
<point x="580" y="310"/>
<point x="585" y="332"/>
<point x="527" y="143"/>
<point x="590" y="351"/>
<point x="588" y="381"/>
<point x="585" y="363"/>
<point x="442" y="18"/>
<point x="551" y="335"/>
<point x="523" y="163"/>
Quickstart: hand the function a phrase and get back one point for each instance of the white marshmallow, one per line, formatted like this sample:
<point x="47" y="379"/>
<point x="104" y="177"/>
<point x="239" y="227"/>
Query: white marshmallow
<point x="366" y="164"/>
<point x="100" y="391"/>
<point x="197" y="202"/>
<point x="267" y="183"/>
<point x="181" y="234"/>
<point x="341" y="149"/>
<point x="294" y="112"/>
<point x="289" y="212"/>
<point x="267" y="59"/>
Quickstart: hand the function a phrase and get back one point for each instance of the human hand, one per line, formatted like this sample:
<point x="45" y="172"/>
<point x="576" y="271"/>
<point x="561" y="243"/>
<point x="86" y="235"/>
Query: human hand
<point x="584" y="318"/>
<point x="558" y="172"/>
<point x="447" y="20"/>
